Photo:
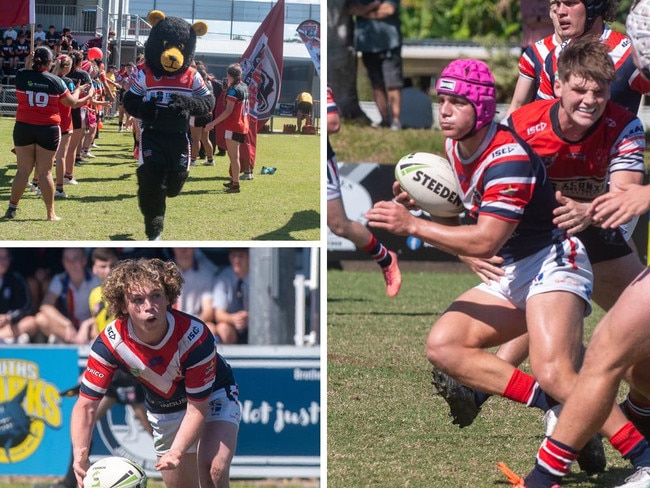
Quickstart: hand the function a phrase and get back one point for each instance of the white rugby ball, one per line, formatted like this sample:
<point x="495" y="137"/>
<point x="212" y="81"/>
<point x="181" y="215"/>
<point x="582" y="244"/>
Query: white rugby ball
<point x="115" y="472"/>
<point x="429" y="179"/>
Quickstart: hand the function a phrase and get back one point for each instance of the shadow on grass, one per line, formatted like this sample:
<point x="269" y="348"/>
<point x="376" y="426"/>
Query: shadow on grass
<point x="122" y="237"/>
<point x="103" y="198"/>
<point x="303" y="220"/>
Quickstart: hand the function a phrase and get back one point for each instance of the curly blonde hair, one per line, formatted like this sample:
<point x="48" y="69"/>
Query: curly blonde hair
<point x="132" y="274"/>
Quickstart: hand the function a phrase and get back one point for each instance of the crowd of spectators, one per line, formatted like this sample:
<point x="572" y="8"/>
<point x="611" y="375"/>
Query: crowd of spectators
<point x="53" y="295"/>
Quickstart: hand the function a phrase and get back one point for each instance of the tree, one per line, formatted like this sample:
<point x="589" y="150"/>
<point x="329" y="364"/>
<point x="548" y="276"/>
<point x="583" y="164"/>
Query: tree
<point x="342" y="61"/>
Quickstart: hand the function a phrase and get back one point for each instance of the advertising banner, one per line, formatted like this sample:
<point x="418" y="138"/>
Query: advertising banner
<point x="34" y="409"/>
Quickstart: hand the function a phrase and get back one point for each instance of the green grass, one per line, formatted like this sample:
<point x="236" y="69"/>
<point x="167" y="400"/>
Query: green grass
<point x="284" y="206"/>
<point x="384" y="425"/>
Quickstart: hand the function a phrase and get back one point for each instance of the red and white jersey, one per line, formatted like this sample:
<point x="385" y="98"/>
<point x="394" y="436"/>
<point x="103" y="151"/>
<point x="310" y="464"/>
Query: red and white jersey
<point x="629" y="85"/>
<point x="506" y="180"/>
<point x="531" y="62"/>
<point x="150" y="87"/>
<point x="580" y="169"/>
<point x="331" y="109"/>
<point x="185" y="364"/>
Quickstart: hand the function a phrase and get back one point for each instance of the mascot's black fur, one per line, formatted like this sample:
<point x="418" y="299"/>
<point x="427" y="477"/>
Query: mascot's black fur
<point x="167" y="92"/>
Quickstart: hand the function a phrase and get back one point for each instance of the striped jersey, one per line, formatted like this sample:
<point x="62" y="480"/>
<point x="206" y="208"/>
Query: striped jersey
<point x="629" y="85"/>
<point x="580" y="169"/>
<point x="531" y="62"/>
<point x="331" y="109"/>
<point x="185" y="364"/>
<point x="506" y="180"/>
<point x="38" y="94"/>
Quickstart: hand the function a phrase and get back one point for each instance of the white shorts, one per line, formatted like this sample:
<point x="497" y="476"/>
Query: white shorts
<point x="333" y="180"/>
<point x="223" y="406"/>
<point x="564" y="267"/>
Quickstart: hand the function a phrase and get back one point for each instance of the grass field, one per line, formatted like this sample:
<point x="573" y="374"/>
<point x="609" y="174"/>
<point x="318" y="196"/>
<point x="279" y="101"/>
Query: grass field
<point x="284" y="206"/>
<point x="385" y="427"/>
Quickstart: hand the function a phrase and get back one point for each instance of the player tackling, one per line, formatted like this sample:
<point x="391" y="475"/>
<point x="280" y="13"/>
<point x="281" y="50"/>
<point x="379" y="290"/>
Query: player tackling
<point x="190" y="392"/>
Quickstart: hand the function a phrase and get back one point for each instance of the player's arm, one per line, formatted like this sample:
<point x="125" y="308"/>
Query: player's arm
<point x="81" y="429"/>
<point x="188" y="433"/>
<point x="482" y="240"/>
<point x="524" y="93"/>
<point x="616" y="208"/>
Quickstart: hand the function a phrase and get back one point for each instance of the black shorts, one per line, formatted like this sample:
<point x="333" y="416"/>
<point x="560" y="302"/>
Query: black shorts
<point x="76" y="118"/>
<point x="120" y="95"/>
<point x="604" y="245"/>
<point x="385" y="68"/>
<point x="46" y="136"/>
<point x="236" y="136"/>
<point x="304" y="108"/>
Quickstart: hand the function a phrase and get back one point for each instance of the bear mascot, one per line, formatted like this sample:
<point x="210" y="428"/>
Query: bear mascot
<point x="165" y="93"/>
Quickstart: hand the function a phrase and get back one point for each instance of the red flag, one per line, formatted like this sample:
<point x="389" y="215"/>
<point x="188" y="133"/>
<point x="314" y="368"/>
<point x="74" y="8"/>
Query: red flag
<point x="262" y="71"/>
<point x="18" y="12"/>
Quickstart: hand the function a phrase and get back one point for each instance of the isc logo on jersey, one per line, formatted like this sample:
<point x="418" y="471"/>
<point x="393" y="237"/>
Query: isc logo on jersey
<point x="536" y="128"/>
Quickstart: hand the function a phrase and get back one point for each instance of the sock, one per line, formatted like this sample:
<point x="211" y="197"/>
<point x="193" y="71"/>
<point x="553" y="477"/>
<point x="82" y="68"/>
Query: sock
<point x="524" y="389"/>
<point x="59" y="188"/>
<point x="553" y="462"/>
<point x="68" y="175"/>
<point x="13" y="204"/>
<point x="632" y="445"/>
<point x="378" y="252"/>
<point x="637" y="408"/>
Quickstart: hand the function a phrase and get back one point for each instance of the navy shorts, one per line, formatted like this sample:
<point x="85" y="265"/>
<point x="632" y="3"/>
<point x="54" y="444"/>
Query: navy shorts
<point x="604" y="244"/>
<point x="76" y="118"/>
<point x="385" y="68"/>
<point x="46" y="136"/>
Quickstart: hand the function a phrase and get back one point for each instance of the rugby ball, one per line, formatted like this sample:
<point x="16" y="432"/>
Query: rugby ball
<point x="430" y="180"/>
<point x="115" y="472"/>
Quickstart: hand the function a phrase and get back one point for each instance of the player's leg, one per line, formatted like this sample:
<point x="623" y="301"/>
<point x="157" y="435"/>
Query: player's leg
<point x="44" y="162"/>
<point x="216" y="450"/>
<point x="185" y="475"/>
<point x="458" y="340"/>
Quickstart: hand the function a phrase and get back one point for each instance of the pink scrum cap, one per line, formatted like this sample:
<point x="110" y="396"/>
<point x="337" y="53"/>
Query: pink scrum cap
<point x="472" y="80"/>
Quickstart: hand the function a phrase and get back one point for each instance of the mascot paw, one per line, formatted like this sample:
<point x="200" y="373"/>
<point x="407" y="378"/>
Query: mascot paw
<point x="179" y="104"/>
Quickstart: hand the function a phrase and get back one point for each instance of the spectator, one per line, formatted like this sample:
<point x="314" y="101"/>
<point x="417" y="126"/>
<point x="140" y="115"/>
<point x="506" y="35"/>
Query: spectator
<point x="9" y="58"/>
<point x="11" y="32"/>
<point x="16" y="322"/>
<point x="25" y="32"/>
<point x="378" y="37"/>
<point x="22" y="47"/>
<point x="37" y="266"/>
<point x="64" y="315"/>
<point x="231" y="298"/>
<point x="39" y="33"/>
<point x="304" y="105"/>
<point x="199" y="276"/>
<point x="67" y="42"/>
<point x="52" y="38"/>
<point x="103" y="259"/>
<point x="235" y="119"/>
<point x="37" y="131"/>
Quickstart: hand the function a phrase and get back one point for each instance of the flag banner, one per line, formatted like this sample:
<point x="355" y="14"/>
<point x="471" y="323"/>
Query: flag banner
<point x="261" y="66"/>
<point x="19" y="12"/>
<point x="309" y="32"/>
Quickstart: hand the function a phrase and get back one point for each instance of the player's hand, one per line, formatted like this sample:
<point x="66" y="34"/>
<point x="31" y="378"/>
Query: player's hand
<point x="571" y="215"/>
<point x="616" y="208"/>
<point x="486" y="269"/>
<point x="170" y="460"/>
<point x="403" y="198"/>
<point x="80" y="465"/>
<point x="390" y="216"/>
<point x="240" y="320"/>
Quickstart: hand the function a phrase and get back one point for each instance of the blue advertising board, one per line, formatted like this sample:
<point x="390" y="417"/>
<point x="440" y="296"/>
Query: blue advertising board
<point x="34" y="409"/>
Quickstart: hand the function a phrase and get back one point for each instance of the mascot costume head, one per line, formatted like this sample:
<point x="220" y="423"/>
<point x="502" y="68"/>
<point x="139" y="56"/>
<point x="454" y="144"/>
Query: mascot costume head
<point x="165" y="93"/>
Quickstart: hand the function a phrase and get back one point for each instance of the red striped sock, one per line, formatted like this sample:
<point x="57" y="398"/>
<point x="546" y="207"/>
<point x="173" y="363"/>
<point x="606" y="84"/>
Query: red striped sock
<point x="626" y="439"/>
<point x="555" y="457"/>
<point x="520" y="387"/>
